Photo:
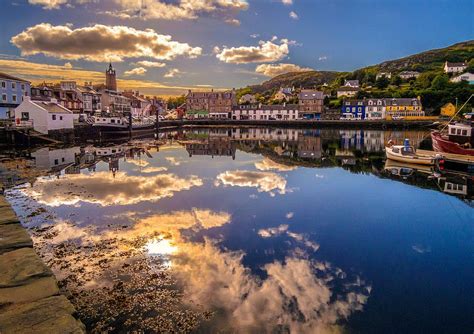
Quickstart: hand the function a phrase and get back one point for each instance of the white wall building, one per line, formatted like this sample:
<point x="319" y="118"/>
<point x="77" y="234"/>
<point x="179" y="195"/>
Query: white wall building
<point x="375" y="109"/>
<point x="43" y="116"/>
<point x="247" y="98"/>
<point x="469" y="77"/>
<point x="455" y="67"/>
<point x="266" y="112"/>
<point x="55" y="159"/>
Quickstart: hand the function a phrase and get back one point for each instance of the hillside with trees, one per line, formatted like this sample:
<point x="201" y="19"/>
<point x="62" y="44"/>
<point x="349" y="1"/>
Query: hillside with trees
<point x="432" y="85"/>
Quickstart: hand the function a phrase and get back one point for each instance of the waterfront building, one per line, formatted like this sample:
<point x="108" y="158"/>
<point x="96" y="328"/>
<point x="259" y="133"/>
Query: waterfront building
<point x="66" y="94"/>
<point x="139" y="105"/>
<point x="90" y="98"/>
<point x="247" y="99"/>
<point x="43" y="116"/>
<point x="353" y="109"/>
<point x="266" y="134"/>
<point x="351" y="83"/>
<point x="110" y="78"/>
<point x="113" y="101"/>
<point x="387" y="75"/>
<point x="455" y="67"/>
<point x="309" y="145"/>
<point x="197" y="114"/>
<point x="469" y="77"/>
<point x="12" y="92"/>
<point x="42" y="92"/>
<point x="374" y="109"/>
<point x="347" y="91"/>
<point x="216" y="103"/>
<point x="311" y="103"/>
<point x="266" y="112"/>
<point x="403" y="107"/>
<point x="212" y="147"/>
<point x="55" y="160"/>
<point x="408" y="74"/>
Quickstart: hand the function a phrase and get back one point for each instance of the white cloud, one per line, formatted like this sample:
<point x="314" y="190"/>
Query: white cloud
<point x="263" y="181"/>
<point x="287" y="2"/>
<point x="68" y="65"/>
<point x="56" y="4"/>
<point x="293" y="15"/>
<point x="266" y="51"/>
<point x="100" y="43"/>
<point x="147" y="63"/>
<point x="273" y="70"/>
<point x="268" y="164"/>
<point x="136" y="71"/>
<point x="289" y="215"/>
<point x="322" y="58"/>
<point x="234" y="22"/>
<point x="182" y="9"/>
<point x="255" y="35"/>
<point x="174" y="72"/>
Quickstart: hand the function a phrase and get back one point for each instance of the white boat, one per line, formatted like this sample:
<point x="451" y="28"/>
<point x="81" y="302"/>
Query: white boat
<point x="407" y="154"/>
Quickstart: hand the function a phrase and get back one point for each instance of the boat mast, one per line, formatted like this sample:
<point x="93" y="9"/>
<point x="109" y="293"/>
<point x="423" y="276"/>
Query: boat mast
<point x="457" y="112"/>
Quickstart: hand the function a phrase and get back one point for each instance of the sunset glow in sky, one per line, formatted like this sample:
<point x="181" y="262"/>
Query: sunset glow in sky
<point x="167" y="46"/>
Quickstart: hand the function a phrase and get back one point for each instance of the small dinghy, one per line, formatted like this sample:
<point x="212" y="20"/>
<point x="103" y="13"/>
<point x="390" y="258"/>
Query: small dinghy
<point x="407" y="154"/>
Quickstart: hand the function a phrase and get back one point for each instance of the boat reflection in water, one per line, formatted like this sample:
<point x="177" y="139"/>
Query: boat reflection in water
<point x="251" y="230"/>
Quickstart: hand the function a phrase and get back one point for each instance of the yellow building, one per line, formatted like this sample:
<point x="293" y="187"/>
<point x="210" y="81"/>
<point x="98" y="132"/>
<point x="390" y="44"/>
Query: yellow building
<point x="448" y="110"/>
<point x="403" y="107"/>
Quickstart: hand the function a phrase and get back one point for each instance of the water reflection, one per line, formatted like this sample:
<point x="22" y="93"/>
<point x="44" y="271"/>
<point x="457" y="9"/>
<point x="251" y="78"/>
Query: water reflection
<point x="274" y="234"/>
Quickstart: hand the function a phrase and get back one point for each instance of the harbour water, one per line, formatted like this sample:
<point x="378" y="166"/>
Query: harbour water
<point x="252" y="230"/>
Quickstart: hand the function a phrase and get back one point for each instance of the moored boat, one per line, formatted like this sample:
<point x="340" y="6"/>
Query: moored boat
<point x="120" y="124"/>
<point x="459" y="140"/>
<point x="407" y="154"/>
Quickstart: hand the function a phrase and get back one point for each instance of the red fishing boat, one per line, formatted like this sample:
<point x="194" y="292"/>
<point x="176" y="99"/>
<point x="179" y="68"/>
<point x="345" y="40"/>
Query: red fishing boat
<point x="459" y="140"/>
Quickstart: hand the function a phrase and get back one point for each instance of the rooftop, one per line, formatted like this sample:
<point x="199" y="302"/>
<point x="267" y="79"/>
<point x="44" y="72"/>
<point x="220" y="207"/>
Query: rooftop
<point x="11" y="77"/>
<point x="52" y="107"/>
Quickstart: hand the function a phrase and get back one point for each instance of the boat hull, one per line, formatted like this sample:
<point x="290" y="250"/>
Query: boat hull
<point x="417" y="160"/>
<point x="442" y="144"/>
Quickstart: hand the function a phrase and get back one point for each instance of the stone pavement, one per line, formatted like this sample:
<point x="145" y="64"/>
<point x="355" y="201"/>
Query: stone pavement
<point x="30" y="301"/>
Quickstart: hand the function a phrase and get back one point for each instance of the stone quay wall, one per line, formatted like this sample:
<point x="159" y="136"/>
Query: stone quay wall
<point x="30" y="301"/>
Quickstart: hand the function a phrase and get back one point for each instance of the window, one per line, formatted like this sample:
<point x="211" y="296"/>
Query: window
<point x="4" y="97"/>
<point x="4" y="84"/>
<point x="60" y="118"/>
<point x="464" y="132"/>
<point x="453" y="131"/>
<point x="23" y="86"/>
<point x="13" y="85"/>
<point x="25" y="116"/>
<point x="56" y="161"/>
<point x="54" y="117"/>
<point x="14" y="98"/>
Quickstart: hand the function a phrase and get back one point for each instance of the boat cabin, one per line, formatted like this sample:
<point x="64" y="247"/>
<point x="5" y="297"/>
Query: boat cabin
<point x="404" y="150"/>
<point x="461" y="133"/>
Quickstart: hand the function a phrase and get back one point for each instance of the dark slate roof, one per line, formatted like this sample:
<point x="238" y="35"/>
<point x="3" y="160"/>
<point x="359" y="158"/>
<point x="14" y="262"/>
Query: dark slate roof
<point x="407" y="101"/>
<point x="52" y="107"/>
<point x="456" y="64"/>
<point x="311" y="95"/>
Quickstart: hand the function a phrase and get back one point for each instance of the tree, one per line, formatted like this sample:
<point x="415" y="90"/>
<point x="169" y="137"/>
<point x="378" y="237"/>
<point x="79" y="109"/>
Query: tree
<point x="396" y="80"/>
<point x="440" y="82"/>
<point x="424" y="80"/>
<point x="382" y="82"/>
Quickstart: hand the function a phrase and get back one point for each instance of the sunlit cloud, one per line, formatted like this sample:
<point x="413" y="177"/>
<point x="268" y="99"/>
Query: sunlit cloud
<point x="104" y="189"/>
<point x="135" y="71"/>
<point x="289" y="215"/>
<point x="100" y="43"/>
<point x="174" y="72"/>
<point x="263" y="181"/>
<point x="147" y="63"/>
<point x="265" y="52"/>
<point x="272" y="70"/>
<point x="149" y="170"/>
<point x="273" y="231"/>
<point x="179" y="10"/>
<point x="287" y="2"/>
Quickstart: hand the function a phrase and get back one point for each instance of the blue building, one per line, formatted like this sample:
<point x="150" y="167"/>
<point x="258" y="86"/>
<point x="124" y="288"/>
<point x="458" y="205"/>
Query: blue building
<point x="12" y="90"/>
<point x="353" y="109"/>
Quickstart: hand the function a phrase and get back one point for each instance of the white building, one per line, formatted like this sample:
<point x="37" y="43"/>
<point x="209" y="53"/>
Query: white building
<point x="455" y="67"/>
<point x="247" y="98"/>
<point x="375" y="109"/>
<point x="387" y="75"/>
<point x="346" y="91"/>
<point x="55" y="159"/>
<point x="409" y="74"/>
<point x="266" y="112"/>
<point x="469" y="77"/>
<point x="43" y="116"/>
<point x="351" y="83"/>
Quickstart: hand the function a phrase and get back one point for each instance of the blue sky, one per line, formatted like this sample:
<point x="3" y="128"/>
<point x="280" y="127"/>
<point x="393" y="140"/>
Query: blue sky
<point x="218" y="40"/>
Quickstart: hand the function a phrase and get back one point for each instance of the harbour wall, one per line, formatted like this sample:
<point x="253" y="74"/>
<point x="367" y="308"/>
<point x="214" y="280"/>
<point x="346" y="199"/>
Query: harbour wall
<point x="30" y="301"/>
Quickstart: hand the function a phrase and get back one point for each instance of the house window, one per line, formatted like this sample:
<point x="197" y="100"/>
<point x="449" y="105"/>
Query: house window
<point x="4" y="97"/>
<point x="4" y="84"/>
<point x="54" y="117"/>
<point x="23" y="86"/>
<point x="25" y="116"/>
<point x="13" y="85"/>
<point x="56" y="161"/>
<point x="14" y="98"/>
<point x="60" y="118"/>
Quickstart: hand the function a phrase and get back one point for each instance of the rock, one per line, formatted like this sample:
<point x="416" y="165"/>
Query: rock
<point x="36" y="289"/>
<point x="13" y="236"/>
<point x="7" y="215"/>
<point x="20" y="267"/>
<point x="48" y="315"/>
